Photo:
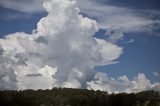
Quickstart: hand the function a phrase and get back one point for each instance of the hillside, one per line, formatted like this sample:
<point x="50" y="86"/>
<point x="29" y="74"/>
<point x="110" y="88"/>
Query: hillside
<point x="77" y="97"/>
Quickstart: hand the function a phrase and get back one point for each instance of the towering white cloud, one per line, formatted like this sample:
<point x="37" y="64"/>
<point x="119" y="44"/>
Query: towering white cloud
<point x="61" y="52"/>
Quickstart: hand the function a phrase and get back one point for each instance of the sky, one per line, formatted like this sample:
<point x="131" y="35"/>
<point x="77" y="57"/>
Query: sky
<point x="111" y="45"/>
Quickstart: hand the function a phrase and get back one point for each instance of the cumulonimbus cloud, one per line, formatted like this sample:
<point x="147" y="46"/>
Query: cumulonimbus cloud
<point x="61" y="52"/>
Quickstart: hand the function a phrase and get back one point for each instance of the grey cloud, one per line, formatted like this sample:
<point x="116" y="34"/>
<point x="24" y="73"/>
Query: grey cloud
<point x="156" y="87"/>
<point x="42" y="39"/>
<point x="34" y="75"/>
<point x="1" y="50"/>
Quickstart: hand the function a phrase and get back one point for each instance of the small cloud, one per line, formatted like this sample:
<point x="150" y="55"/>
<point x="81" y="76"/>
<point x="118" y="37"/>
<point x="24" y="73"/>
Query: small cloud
<point x="155" y="73"/>
<point x="115" y="34"/>
<point x="131" y="40"/>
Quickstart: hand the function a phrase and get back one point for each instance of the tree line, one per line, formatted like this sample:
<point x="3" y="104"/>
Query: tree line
<point x="77" y="97"/>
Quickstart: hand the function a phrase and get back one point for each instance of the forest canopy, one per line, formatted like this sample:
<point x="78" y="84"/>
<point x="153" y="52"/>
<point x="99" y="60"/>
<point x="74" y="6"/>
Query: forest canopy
<point x="77" y="97"/>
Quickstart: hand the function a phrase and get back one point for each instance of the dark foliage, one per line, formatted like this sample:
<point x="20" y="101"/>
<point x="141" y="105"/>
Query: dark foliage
<point x="77" y="97"/>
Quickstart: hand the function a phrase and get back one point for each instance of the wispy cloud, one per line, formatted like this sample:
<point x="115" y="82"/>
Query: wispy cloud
<point x="123" y="18"/>
<point x="109" y="16"/>
<point x="26" y="6"/>
<point x="14" y="16"/>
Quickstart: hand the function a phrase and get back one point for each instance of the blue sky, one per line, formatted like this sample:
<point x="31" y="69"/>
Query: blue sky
<point x="137" y="22"/>
<point x="14" y="21"/>
<point x="141" y="56"/>
<point x="136" y="4"/>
